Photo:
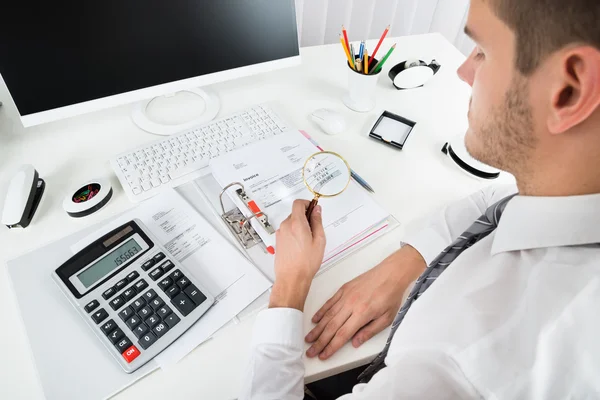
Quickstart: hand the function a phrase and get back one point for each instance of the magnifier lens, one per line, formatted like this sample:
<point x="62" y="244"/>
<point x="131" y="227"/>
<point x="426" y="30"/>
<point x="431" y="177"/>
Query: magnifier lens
<point x="326" y="174"/>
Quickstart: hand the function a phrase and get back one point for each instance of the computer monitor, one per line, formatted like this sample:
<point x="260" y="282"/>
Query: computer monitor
<point x="65" y="58"/>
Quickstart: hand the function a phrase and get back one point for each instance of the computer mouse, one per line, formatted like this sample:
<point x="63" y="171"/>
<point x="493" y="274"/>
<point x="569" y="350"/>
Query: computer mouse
<point x="330" y="121"/>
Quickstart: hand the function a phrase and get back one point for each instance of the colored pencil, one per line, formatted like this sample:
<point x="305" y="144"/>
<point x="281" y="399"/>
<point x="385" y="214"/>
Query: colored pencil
<point x="366" y="62"/>
<point x="346" y="38"/>
<point x="362" y="49"/>
<point x="347" y="52"/>
<point x="378" y="66"/>
<point x="379" y="44"/>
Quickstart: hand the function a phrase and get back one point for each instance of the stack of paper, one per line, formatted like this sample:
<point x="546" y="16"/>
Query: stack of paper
<point x="271" y="172"/>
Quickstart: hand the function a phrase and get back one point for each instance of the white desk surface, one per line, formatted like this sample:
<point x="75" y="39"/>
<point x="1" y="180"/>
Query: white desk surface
<point x="408" y="183"/>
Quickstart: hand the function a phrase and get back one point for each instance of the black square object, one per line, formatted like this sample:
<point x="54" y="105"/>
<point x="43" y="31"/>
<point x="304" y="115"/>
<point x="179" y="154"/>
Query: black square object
<point x="392" y="129"/>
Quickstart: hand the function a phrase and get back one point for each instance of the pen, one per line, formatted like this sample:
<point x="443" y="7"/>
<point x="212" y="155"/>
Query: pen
<point x="360" y="51"/>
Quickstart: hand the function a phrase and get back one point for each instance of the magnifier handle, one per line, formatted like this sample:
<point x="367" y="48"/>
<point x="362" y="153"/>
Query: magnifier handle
<point x="311" y="207"/>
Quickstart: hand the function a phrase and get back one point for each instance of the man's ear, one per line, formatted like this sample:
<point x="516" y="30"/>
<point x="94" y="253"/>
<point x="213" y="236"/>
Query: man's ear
<point x="575" y="94"/>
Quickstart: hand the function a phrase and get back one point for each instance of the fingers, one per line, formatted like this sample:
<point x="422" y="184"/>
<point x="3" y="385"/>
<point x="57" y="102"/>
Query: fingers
<point x="344" y="334"/>
<point x="316" y="226"/>
<point x="329" y="332"/>
<point x="371" y="329"/>
<point x="299" y="208"/>
<point x="328" y="304"/>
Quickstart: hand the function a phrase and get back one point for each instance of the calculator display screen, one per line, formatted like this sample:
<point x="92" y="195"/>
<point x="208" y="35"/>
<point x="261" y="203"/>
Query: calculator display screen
<point x="109" y="263"/>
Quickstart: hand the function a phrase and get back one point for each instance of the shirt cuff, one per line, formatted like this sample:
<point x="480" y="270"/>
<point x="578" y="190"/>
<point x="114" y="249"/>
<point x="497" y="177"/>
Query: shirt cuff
<point x="428" y="243"/>
<point x="280" y="326"/>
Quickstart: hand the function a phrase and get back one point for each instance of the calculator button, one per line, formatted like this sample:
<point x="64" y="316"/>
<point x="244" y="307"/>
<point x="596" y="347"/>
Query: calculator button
<point x="108" y="327"/>
<point x="164" y="311"/>
<point x="156" y="303"/>
<point x="110" y="292"/>
<point x="176" y="275"/>
<point x="140" y="330"/>
<point x="91" y="306"/>
<point x="129" y="294"/>
<point x="183" y="304"/>
<point x="133" y="276"/>
<point x="115" y="335"/>
<point x="126" y="313"/>
<point x="117" y="303"/>
<point x="172" y="320"/>
<point x="158" y="257"/>
<point x="165" y="283"/>
<point x="145" y="312"/>
<point x="141" y="285"/>
<point x="156" y="273"/>
<point x="194" y="294"/>
<point x="167" y="266"/>
<point x="131" y="354"/>
<point x="160" y="329"/>
<point x="138" y="303"/>
<point x="123" y="344"/>
<point x="121" y="284"/>
<point x="172" y="291"/>
<point x="99" y="315"/>
<point x="147" y="340"/>
<point x="148" y="264"/>
<point x="133" y="322"/>
<point x="183" y="282"/>
<point x="150" y="294"/>
<point x="152" y="320"/>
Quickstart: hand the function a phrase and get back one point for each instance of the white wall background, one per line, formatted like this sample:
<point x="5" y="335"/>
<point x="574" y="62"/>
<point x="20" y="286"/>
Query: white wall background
<point x="320" y="21"/>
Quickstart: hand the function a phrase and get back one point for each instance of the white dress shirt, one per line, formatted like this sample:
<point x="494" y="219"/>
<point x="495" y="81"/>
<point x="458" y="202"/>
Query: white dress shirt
<point x="516" y="316"/>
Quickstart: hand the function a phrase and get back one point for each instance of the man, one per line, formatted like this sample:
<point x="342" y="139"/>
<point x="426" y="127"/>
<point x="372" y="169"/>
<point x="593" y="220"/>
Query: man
<point x="508" y="309"/>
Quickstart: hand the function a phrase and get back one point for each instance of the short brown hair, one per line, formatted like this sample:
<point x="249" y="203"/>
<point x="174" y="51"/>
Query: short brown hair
<point x="545" y="26"/>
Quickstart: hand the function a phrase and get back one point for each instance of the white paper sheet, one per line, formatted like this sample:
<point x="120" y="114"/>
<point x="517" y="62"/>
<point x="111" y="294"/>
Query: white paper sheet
<point x="222" y="269"/>
<point x="271" y="173"/>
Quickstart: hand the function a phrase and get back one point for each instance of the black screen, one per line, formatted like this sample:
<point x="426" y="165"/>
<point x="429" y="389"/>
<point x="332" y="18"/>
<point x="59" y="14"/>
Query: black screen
<point x="59" y="53"/>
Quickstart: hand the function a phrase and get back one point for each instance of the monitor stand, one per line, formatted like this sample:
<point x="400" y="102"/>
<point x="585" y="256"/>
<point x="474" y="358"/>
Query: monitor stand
<point x="166" y="115"/>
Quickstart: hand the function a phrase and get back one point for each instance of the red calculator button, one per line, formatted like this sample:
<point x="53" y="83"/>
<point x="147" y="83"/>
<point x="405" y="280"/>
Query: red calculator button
<point x="131" y="354"/>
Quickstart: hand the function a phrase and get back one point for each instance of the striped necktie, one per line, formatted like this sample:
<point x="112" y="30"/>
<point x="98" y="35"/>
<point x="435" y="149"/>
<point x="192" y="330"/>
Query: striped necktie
<point x="480" y="229"/>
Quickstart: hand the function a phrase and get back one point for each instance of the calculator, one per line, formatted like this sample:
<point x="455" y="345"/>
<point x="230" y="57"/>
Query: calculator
<point x="136" y="299"/>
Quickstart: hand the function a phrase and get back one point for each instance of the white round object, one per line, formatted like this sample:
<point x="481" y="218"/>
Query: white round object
<point x="211" y="110"/>
<point x="87" y="198"/>
<point x="330" y="121"/>
<point x="457" y="151"/>
<point x="413" y="77"/>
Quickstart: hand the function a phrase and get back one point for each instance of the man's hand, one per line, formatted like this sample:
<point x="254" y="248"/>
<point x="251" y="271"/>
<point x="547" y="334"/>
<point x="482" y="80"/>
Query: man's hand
<point x="300" y="249"/>
<point x="364" y="306"/>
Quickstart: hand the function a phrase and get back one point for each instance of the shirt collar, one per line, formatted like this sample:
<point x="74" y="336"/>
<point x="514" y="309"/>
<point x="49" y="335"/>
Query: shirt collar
<point x="537" y="222"/>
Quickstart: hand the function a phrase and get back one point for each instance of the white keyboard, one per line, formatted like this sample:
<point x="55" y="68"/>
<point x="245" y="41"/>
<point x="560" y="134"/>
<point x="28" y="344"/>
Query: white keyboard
<point x="183" y="157"/>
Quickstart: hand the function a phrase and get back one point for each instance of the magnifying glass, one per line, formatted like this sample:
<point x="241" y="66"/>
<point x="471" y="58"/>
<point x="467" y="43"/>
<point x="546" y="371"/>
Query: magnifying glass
<point x="325" y="174"/>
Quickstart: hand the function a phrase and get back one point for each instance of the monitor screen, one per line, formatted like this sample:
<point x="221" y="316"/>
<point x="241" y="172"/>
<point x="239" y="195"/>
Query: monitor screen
<point x="56" y="54"/>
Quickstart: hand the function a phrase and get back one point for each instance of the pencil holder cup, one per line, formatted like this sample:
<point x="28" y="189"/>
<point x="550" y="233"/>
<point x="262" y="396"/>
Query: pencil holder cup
<point x="361" y="89"/>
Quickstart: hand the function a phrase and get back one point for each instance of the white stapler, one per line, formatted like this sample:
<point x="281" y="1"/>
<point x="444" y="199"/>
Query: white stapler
<point x="24" y="193"/>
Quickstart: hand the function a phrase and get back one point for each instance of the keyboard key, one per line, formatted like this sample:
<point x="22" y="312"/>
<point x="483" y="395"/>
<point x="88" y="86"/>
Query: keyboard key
<point x="140" y="285"/>
<point x="158" y="257"/>
<point x="183" y="304"/>
<point x="123" y="344"/>
<point x="146" y="186"/>
<point x="165" y="283"/>
<point x="126" y="313"/>
<point x="149" y="295"/>
<point x="156" y="303"/>
<point x="131" y="354"/>
<point x="152" y="320"/>
<point x="183" y="282"/>
<point x="133" y="321"/>
<point x="163" y="311"/>
<point x="140" y="330"/>
<point x="132" y="276"/>
<point x="129" y="294"/>
<point x="147" y="340"/>
<point x="156" y="273"/>
<point x="194" y="294"/>
<point x="172" y="320"/>
<point x="145" y="312"/>
<point x="91" y="306"/>
<point x="99" y="315"/>
<point x="138" y="303"/>
<point x="167" y="265"/>
<point x="121" y="284"/>
<point x="117" y="303"/>
<point x="176" y="275"/>
<point x="115" y="335"/>
<point x="172" y="291"/>
<point x="160" y="329"/>
<point x="148" y="264"/>
<point x="108" y="327"/>
<point x="110" y="292"/>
